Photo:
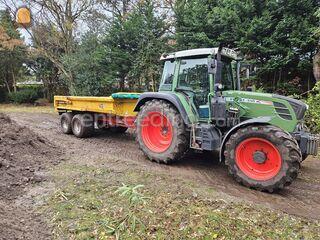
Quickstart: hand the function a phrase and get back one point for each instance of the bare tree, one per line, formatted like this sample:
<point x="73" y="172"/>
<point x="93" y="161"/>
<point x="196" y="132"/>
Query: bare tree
<point x="55" y="24"/>
<point x="116" y="8"/>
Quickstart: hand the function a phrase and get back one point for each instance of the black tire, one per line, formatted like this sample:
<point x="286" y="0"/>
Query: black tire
<point x="83" y="125"/>
<point x="287" y="147"/>
<point x="65" y="122"/>
<point x="304" y="157"/>
<point x="179" y="141"/>
<point x="118" y="129"/>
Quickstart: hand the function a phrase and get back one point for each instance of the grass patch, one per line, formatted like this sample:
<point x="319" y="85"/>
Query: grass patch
<point x="90" y="205"/>
<point x="25" y="108"/>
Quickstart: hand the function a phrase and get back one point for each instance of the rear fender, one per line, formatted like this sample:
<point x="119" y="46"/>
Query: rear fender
<point x="259" y="120"/>
<point x="166" y="96"/>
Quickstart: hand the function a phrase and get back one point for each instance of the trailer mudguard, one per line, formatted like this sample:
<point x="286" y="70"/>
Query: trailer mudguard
<point x="166" y="96"/>
<point x="261" y="120"/>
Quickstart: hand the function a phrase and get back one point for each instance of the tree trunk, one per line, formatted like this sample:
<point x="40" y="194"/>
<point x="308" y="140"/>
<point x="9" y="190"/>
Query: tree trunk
<point x="153" y="83"/>
<point x="279" y="80"/>
<point x="309" y="76"/>
<point x="6" y="81"/>
<point x="316" y="66"/>
<point x="274" y="81"/>
<point x="121" y="84"/>
<point x="7" y="85"/>
<point x="122" y="81"/>
<point x="14" y="83"/>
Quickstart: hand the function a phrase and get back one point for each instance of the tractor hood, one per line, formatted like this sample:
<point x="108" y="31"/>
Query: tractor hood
<point x="265" y="104"/>
<point x="299" y="107"/>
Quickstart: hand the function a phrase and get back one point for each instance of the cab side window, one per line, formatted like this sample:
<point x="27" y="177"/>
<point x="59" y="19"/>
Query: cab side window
<point x="167" y="76"/>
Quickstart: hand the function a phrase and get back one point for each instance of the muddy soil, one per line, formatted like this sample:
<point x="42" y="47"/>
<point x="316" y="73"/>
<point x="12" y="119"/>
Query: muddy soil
<point x="24" y="156"/>
<point x="120" y="151"/>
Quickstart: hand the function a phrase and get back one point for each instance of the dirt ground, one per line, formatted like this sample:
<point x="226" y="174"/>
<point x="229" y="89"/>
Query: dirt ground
<point x="302" y="198"/>
<point x="46" y="145"/>
<point x="23" y="158"/>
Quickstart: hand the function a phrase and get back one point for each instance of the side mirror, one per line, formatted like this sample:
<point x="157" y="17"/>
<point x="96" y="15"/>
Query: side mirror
<point x="212" y="66"/>
<point x="23" y="16"/>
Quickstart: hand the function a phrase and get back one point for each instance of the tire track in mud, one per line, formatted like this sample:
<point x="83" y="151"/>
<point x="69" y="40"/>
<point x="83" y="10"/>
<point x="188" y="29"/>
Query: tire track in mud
<point x="302" y="198"/>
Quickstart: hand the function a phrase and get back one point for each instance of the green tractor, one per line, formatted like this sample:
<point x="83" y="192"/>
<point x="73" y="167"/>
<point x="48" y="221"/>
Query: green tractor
<point x="260" y="137"/>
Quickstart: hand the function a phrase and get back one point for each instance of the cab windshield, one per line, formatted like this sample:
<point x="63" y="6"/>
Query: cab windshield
<point x="193" y="75"/>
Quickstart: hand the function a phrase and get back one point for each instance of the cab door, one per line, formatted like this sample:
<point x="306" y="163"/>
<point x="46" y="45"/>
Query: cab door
<point x="193" y="79"/>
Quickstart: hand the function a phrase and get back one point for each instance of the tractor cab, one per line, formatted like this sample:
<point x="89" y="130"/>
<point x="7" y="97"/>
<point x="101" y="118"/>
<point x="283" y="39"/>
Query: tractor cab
<point x="199" y="74"/>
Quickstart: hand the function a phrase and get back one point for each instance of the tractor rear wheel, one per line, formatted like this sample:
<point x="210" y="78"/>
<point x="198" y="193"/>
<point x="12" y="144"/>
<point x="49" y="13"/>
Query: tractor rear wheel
<point x="161" y="132"/>
<point x="263" y="157"/>
<point x="82" y="125"/>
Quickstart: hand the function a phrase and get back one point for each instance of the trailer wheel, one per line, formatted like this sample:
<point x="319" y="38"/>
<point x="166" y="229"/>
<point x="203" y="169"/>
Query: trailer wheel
<point x="118" y="129"/>
<point x="82" y="125"/>
<point x="263" y="157"/>
<point x="65" y="122"/>
<point x="161" y="132"/>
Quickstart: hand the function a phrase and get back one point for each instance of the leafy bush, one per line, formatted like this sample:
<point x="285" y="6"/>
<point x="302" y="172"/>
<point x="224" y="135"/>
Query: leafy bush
<point x="313" y="114"/>
<point x="27" y="95"/>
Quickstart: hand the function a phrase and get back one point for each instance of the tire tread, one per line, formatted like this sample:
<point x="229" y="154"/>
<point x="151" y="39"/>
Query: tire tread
<point x="181" y="145"/>
<point x="289" y="150"/>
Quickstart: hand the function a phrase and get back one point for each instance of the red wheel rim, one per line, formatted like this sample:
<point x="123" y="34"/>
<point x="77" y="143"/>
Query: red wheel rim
<point x="156" y="132"/>
<point x="263" y="170"/>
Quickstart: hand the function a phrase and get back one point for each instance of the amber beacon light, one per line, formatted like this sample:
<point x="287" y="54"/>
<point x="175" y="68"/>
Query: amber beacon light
<point x="23" y="16"/>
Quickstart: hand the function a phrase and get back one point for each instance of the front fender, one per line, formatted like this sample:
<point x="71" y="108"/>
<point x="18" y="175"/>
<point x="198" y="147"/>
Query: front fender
<point x="260" y="120"/>
<point x="166" y="96"/>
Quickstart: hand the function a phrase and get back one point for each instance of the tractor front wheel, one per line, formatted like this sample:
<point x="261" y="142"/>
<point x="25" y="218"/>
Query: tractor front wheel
<point x="263" y="157"/>
<point x="161" y="132"/>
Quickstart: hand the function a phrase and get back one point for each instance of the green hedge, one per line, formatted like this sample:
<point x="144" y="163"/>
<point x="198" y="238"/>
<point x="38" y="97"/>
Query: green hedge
<point x="313" y="114"/>
<point x="3" y="95"/>
<point x="25" y="95"/>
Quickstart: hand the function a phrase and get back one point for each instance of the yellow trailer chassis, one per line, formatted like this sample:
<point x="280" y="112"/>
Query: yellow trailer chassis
<point x="116" y="110"/>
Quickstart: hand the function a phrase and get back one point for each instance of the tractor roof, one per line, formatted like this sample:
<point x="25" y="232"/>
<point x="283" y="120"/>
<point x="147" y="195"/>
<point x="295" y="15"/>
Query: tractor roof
<point x="200" y="52"/>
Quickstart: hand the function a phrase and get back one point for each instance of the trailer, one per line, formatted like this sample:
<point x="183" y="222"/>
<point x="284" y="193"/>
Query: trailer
<point x="81" y="115"/>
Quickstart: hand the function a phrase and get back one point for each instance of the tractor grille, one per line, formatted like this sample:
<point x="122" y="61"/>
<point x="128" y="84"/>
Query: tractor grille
<point x="299" y="107"/>
<point x="282" y="110"/>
